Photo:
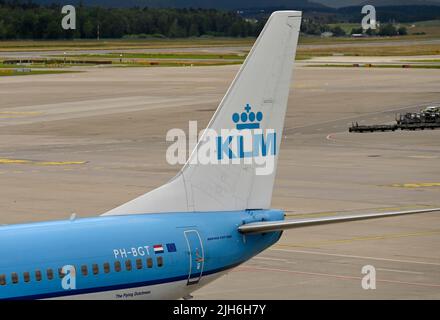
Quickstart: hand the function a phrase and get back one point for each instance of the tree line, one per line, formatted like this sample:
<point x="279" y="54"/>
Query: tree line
<point x="385" y="30"/>
<point x="317" y="27"/>
<point x="27" y="20"/>
<point x="24" y="19"/>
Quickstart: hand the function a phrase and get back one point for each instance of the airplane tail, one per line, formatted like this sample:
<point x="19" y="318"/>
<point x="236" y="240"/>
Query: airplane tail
<point x="234" y="164"/>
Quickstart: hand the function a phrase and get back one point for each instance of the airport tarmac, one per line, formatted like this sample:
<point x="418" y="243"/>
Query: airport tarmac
<point x="86" y="142"/>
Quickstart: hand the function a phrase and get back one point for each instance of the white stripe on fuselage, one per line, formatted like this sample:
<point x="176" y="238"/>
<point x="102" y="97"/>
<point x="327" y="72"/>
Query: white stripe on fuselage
<point x="165" y="291"/>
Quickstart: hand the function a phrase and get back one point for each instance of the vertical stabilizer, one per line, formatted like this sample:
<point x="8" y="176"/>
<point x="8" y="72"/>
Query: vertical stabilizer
<point x="247" y="128"/>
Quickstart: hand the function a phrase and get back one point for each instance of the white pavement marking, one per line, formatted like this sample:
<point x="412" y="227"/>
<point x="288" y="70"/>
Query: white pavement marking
<point x="96" y="107"/>
<point x="399" y="271"/>
<point x="343" y="277"/>
<point x="355" y="257"/>
<point x="270" y="259"/>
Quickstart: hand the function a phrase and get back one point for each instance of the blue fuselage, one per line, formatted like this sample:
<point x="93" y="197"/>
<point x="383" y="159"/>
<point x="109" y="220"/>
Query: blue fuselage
<point x="125" y="256"/>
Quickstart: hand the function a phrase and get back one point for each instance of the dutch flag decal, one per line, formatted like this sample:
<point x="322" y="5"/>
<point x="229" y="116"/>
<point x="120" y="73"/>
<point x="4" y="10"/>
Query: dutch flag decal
<point x="158" y="248"/>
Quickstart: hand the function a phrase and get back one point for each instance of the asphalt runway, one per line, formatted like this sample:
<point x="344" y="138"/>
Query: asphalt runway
<point x="86" y="142"/>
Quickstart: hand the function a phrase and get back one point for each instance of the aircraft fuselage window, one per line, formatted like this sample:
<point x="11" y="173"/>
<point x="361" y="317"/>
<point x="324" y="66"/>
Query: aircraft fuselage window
<point x="149" y="263"/>
<point x="14" y="277"/>
<point x="38" y="275"/>
<point x="159" y="261"/>
<point x="26" y="277"/>
<point x="49" y="274"/>
<point x="84" y="270"/>
<point x="128" y="265"/>
<point x="95" y="268"/>
<point x="117" y="266"/>
<point x="139" y="264"/>
<point x="106" y="267"/>
<point x="60" y="273"/>
<point x="2" y="280"/>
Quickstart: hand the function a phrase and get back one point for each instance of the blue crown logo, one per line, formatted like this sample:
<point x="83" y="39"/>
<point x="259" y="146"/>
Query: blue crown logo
<point x="249" y="120"/>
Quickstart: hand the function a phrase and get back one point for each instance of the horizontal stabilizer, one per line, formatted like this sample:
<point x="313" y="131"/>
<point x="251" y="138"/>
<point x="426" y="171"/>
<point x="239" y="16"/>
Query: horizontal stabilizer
<point x="269" y="226"/>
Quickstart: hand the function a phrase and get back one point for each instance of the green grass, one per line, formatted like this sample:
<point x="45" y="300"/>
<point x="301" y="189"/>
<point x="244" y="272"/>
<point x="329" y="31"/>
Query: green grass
<point x="186" y="56"/>
<point x="424" y="60"/>
<point x="173" y="58"/>
<point x="132" y="60"/>
<point x="169" y="63"/>
<point x="395" y="50"/>
<point x="32" y="65"/>
<point x="158" y="59"/>
<point x="7" y="73"/>
<point x="300" y="57"/>
<point x="112" y="44"/>
<point x="375" y="66"/>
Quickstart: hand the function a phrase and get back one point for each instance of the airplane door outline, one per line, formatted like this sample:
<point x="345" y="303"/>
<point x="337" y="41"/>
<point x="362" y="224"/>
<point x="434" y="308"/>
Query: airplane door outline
<point x="196" y="256"/>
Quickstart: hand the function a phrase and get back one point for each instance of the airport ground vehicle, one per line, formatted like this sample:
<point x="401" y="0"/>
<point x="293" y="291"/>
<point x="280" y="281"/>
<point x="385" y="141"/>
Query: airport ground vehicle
<point x="355" y="127"/>
<point x="428" y="118"/>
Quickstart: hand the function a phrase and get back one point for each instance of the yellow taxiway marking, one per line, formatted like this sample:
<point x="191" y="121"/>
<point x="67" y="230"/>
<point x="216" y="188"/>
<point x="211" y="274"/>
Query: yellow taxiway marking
<point x="12" y="161"/>
<point x="40" y="163"/>
<point x="16" y="114"/>
<point x="363" y="238"/>
<point x="416" y="185"/>
<point x="20" y="112"/>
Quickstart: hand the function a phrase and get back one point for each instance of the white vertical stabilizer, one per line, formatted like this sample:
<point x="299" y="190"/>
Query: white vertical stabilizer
<point x="260" y="91"/>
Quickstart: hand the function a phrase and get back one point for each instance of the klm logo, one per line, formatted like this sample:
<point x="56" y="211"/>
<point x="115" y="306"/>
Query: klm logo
<point x="248" y="141"/>
<point x="249" y="120"/>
